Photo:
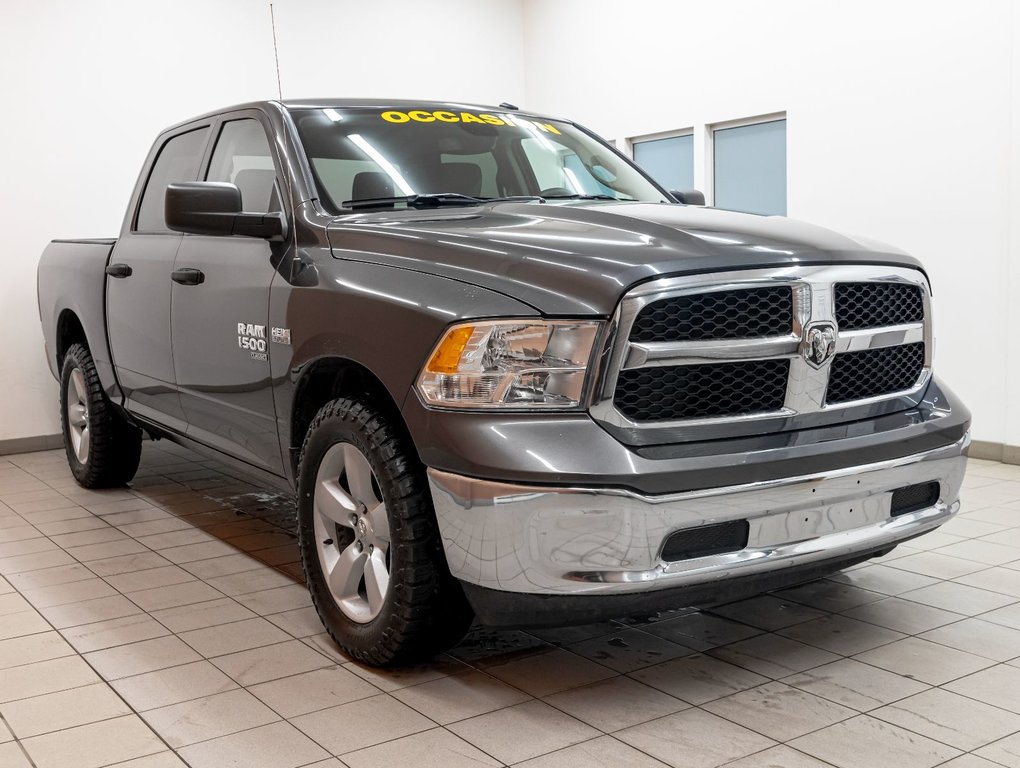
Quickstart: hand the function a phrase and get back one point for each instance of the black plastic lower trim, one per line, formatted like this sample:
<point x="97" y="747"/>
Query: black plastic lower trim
<point x="521" y="610"/>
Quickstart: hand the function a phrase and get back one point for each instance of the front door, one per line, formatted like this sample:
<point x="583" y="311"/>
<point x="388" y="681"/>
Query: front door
<point x="138" y="289"/>
<point x="220" y="309"/>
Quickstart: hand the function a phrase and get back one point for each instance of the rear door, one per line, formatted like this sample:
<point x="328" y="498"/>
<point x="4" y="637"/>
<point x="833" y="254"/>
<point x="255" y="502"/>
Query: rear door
<point x="138" y="290"/>
<point x="221" y="340"/>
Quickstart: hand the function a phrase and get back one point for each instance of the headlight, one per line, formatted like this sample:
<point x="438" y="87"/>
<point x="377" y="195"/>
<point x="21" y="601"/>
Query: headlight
<point x="509" y="363"/>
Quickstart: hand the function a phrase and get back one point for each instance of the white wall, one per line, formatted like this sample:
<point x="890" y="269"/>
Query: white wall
<point x="899" y="128"/>
<point x="86" y="87"/>
<point x="903" y="122"/>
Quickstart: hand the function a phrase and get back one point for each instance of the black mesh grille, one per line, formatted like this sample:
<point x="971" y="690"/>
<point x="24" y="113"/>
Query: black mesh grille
<point x="702" y="391"/>
<point x="914" y="497"/>
<point x="745" y="314"/>
<point x="874" y="372"/>
<point x="706" y="540"/>
<point x="873" y="305"/>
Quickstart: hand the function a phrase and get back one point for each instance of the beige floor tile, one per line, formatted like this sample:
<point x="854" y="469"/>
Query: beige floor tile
<point x="209" y="717"/>
<point x="159" y="760"/>
<point x="367" y="722"/>
<point x="278" y="745"/>
<point x="841" y="635"/>
<point x="27" y="547"/>
<point x="19" y="533"/>
<point x="50" y="576"/>
<point x="779" y="711"/>
<point x="313" y="691"/>
<point x="69" y="592"/>
<point x="937" y="565"/>
<point x="231" y="638"/>
<point x="1009" y="616"/>
<point x="270" y="601"/>
<point x="94" y="745"/>
<point x="204" y="551"/>
<point x="768" y="612"/>
<point x="699" y="678"/>
<point x="779" y="757"/>
<point x="549" y="672"/>
<point x="458" y="697"/>
<point x="91" y="536"/>
<point x="250" y="581"/>
<point x="923" y="660"/>
<point x="884" y="579"/>
<point x="173" y="685"/>
<point x="616" y="703"/>
<point x="304" y="622"/>
<point x="498" y="733"/>
<point x="113" y="566"/>
<point x="174" y="596"/>
<point x="701" y="631"/>
<point x="903" y="615"/>
<point x="1003" y="580"/>
<point x="90" y="552"/>
<point x="159" y="523"/>
<point x="1003" y="752"/>
<point x="629" y="650"/>
<point x="603" y="752"/>
<point x="178" y="538"/>
<point x="64" y="709"/>
<point x="694" y="739"/>
<point x="436" y="748"/>
<point x="107" y="634"/>
<point x="34" y="562"/>
<point x="959" y="598"/>
<point x="855" y="684"/>
<point x="29" y="649"/>
<point x="151" y="578"/>
<point x="139" y="658"/>
<point x="773" y="655"/>
<point x="88" y="611"/>
<point x="981" y="638"/>
<point x="260" y="665"/>
<point x="45" y="677"/>
<point x="826" y="595"/>
<point x="22" y="623"/>
<point x="865" y="741"/>
<point x="990" y="552"/>
<point x="12" y="756"/>
<point x="950" y="718"/>
<point x="5" y="732"/>
<point x="186" y="618"/>
<point x="998" y="686"/>
<point x="236" y="562"/>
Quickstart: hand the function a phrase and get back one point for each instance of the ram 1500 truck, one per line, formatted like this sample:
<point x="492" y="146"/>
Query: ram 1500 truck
<point x="507" y="374"/>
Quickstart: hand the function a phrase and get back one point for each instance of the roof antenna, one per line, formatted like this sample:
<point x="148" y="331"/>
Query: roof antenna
<point x="276" y="52"/>
<point x="508" y="105"/>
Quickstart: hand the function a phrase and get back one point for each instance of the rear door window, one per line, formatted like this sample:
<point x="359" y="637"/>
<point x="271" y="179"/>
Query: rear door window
<point x="178" y="160"/>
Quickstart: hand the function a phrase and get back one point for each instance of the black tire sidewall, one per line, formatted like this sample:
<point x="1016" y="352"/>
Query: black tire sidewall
<point x="76" y="358"/>
<point x="348" y="427"/>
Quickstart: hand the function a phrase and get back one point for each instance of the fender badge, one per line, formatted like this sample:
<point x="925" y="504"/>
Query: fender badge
<point x="281" y="335"/>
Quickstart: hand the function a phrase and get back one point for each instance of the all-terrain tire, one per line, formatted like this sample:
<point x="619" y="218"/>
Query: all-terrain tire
<point x="423" y="611"/>
<point x="103" y="448"/>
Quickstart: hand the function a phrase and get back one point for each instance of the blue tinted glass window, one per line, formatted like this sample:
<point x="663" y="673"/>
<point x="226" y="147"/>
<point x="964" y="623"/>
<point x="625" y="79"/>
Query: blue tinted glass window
<point x="669" y="161"/>
<point x="750" y="168"/>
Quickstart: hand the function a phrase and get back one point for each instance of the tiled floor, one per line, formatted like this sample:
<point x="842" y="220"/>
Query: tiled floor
<point x="166" y="625"/>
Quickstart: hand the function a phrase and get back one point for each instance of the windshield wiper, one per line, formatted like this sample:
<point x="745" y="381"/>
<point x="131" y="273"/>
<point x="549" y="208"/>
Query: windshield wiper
<point x="437" y="200"/>
<point x="514" y="199"/>
<point x="590" y="197"/>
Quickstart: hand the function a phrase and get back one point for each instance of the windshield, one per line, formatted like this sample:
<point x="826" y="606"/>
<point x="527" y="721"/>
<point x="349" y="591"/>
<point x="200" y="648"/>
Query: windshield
<point x="371" y="154"/>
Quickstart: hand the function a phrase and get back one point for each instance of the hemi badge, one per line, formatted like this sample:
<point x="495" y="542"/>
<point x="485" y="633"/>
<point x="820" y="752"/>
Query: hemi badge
<point x="281" y="335"/>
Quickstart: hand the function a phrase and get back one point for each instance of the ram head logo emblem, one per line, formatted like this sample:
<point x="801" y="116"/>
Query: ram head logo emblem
<point x="819" y="344"/>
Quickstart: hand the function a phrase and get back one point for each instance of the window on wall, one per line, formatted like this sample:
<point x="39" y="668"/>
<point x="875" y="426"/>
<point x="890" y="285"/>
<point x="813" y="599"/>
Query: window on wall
<point x="750" y="167"/>
<point x="669" y="161"/>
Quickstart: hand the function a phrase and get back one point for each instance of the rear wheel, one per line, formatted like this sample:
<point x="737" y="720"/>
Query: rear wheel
<point x="370" y="547"/>
<point x="102" y="448"/>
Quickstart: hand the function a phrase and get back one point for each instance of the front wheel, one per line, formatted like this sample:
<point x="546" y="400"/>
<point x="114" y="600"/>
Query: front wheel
<point x="369" y="542"/>
<point x="102" y="448"/>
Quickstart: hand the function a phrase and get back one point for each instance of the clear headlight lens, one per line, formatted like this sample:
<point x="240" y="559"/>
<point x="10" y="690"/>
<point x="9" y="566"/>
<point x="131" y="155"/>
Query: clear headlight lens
<point x="509" y="363"/>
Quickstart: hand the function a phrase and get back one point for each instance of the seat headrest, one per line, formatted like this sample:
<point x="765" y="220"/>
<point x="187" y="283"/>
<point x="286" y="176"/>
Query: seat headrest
<point x="371" y="184"/>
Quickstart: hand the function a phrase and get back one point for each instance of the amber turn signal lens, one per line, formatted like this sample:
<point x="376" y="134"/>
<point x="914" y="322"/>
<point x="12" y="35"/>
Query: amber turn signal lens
<point x="446" y="358"/>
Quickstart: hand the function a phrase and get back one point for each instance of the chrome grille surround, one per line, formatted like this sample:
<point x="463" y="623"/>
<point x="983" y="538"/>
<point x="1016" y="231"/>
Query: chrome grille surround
<point x="813" y="290"/>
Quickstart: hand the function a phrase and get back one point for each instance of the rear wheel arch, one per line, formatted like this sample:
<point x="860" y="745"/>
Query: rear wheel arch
<point x="70" y="331"/>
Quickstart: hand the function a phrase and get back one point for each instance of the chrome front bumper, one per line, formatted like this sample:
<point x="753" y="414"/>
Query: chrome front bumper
<point x="583" y="541"/>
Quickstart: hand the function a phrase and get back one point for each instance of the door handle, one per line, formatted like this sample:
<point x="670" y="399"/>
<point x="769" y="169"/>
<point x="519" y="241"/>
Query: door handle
<point x="118" y="270"/>
<point x="188" y="276"/>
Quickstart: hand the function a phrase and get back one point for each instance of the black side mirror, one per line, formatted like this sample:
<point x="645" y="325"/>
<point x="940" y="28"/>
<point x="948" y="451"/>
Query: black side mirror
<point x="688" y="196"/>
<point x="214" y="208"/>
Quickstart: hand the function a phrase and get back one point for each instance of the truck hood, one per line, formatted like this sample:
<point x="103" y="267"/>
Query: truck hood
<point x="579" y="258"/>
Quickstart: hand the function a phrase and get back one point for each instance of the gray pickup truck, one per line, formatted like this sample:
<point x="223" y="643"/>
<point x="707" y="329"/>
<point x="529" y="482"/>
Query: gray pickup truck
<point x="507" y="374"/>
